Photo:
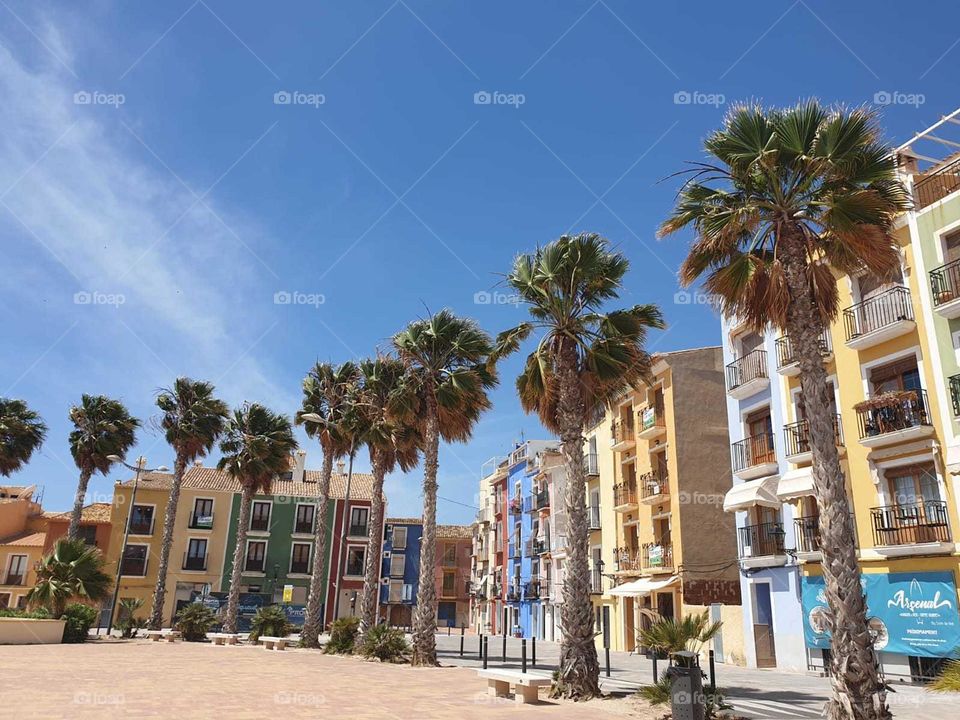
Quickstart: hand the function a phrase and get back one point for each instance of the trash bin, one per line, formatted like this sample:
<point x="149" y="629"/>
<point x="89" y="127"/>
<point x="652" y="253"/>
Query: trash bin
<point x="686" y="687"/>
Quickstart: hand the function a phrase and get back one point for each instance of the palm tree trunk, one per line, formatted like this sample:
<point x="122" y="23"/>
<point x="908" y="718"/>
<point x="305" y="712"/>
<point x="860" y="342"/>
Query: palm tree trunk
<point x="239" y="555"/>
<point x="858" y="692"/>
<point x="425" y="614"/>
<point x="579" y="666"/>
<point x="170" y="518"/>
<point x="371" y="563"/>
<point x="74" y="527"/>
<point x="313" y="622"/>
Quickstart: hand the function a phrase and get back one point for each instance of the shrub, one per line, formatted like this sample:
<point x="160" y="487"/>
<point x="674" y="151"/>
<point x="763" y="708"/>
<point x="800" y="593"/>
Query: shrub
<point x="661" y="692"/>
<point x="343" y="634"/>
<point x="385" y="643"/>
<point x="194" y="620"/>
<point x="270" y="621"/>
<point x="949" y="679"/>
<point x="39" y="613"/>
<point x="80" y="618"/>
<point x="127" y="622"/>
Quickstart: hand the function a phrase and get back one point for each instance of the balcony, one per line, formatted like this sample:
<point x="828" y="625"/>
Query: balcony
<point x="629" y="560"/>
<point x="881" y="318"/>
<point x="483" y="516"/>
<point x="516" y="506"/>
<point x="653" y="424"/>
<point x="15" y="579"/>
<point x="260" y="524"/>
<point x="654" y="488"/>
<point x="657" y="557"/>
<point x="754" y="457"/>
<point x="945" y="288"/>
<point x="894" y="417"/>
<point x="796" y="440"/>
<point x="762" y="545"/>
<point x="807" y="531"/>
<point x="133" y="567"/>
<point x="935" y="186"/>
<point x="623" y="436"/>
<point x="593" y="517"/>
<point x="539" y="501"/>
<point x="194" y="562"/>
<point x="625" y="497"/>
<point x="591" y="465"/>
<point x="532" y="590"/>
<point x="540" y="546"/>
<point x="201" y="521"/>
<point x="361" y="530"/>
<point x="747" y="376"/>
<point x="788" y="364"/>
<point x="513" y="594"/>
<point x="954" y="382"/>
<point x="911" y="528"/>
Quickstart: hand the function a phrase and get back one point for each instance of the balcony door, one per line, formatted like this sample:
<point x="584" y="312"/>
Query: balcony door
<point x="759" y="426"/>
<point x="914" y="485"/>
<point x="901" y="375"/>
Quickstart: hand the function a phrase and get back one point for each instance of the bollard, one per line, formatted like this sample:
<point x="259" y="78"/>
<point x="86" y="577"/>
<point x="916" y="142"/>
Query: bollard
<point x="504" y="648"/>
<point x="534" y="646"/>
<point x="656" y="677"/>
<point x="607" y="652"/>
<point x="461" y="642"/>
<point x="486" y="643"/>
<point x="523" y="655"/>
<point x="480" y="648"/>
<point x="448" y="631"/>
<point x="713" y="674"/>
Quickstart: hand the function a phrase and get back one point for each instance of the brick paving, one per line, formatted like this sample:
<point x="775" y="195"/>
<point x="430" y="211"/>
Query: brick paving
<point x="140" y="679"/>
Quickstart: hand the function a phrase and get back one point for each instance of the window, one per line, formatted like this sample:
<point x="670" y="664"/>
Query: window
<point x="17" y="570"/>
<point x="260" y="517"/>
<point x="88" y="533"/>
<point x="871" y="286"/>
<point x="913" y="485"/>
<point x="22" y="602"/>
<point x="900" y="375"/>
<point x="399" y="538"/>
<point x="407" y="593"/>
<point x="300" y="560"/>
<point x="397" y="565"/>
<point x="396" y="591"/>
<point x="450" y="551"/>
<point x="358" y="521"/>
<point x="305" y="515"/>
<point x="196" y="556"/>
<point x="134" y="561"/>
<point x="448" y="588"/>
<point x="750" y="342"/>
<point x="256" y="553"/>
<point x="4" y="600"/>
<point x="355" y="558"/>
<point x="141" y="520"/>
<point x="951" y="246"/>
<point x="202" y="517"/>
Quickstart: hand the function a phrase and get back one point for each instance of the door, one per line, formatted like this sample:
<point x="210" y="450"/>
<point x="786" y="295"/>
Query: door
<point x="716" y="616"/>
<point x="665" y="604"/>
<point x="763" y="626"/>
<point x="629" y="614"/>
<point x="447" y="614"/>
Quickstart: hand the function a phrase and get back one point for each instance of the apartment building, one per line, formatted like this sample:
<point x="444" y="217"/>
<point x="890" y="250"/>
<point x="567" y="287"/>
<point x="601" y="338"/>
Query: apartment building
<point x="675" y="549"/>
<point x="452" y="575"/>
<point x="400" y="570"/>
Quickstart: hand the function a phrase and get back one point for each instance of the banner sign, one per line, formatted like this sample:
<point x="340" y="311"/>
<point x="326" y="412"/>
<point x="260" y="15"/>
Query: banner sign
<point x="908" y="613"/>
<point x="647" y="418"/>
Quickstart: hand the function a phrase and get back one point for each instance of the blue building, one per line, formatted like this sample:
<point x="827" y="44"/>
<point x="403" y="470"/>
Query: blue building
<point x="400" y="570"/>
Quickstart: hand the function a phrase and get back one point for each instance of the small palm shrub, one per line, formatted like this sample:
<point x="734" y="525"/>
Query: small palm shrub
<point x="660" y="693"/>
<point x="80" y="618"/>
<point x="270" y="621"/>
<point x="128" y="623"/>
<point x="343" y="634"/>
<point x="194" y="620"/>
<point x="385" y="643"/>
<point x="949" y="679"/>
<point x="39" y="613"/>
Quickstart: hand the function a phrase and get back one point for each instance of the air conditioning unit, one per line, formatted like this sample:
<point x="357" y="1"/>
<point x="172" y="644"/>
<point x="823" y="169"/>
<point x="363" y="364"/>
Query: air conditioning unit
<point x="386" y="554"/>
<point x="384" y="581"/>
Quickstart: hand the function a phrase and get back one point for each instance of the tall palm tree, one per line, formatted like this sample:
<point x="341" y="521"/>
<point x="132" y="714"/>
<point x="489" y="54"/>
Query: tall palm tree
<point x="74" y="570"/>
<point x="256" y="446"/>
<point x="449" y="371"/>
<point x="785" y="198"/>
<point x="584" y="360"/>
<point x="393" y="439"/>
<point x="22" y="432"/>
<point x="192" y="420"/>
<point x="329" y="392"/>
<point x="102" y="427"/>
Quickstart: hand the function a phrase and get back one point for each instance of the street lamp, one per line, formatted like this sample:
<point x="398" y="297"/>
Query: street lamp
<point x="138" y="469"/>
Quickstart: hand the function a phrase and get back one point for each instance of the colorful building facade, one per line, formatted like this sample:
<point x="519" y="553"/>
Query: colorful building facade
<point x="400" y="570"/>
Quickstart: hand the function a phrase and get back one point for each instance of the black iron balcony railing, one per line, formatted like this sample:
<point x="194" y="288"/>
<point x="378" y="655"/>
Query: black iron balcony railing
<point x="910" y="523"/>
<point x="260" y="524"/>
<point x="796" y="436"/>
<point x="954" y="381"/>
<point x="628" y="559"/>
<point x="653" y="484"/>
<point x="201" y="521"/>
<point x="652" y="417"/>
<point x="303" y="527"/>
<point x="593" y="517"/>
<point x="194" y="562"/>
<point x="300" y="567"/>
<point x="807" y="530"/>
<point x="539" y="501"/>
<point x="358" y="530"/>
<point x="513" y="594"/>
<point x="622" y="431"/>
<point x="751" y="366"/>
<point x="532" y="589"/>
<point x="591" y="466"/>
<point x="596" y="581"/>
<point x="516" y="506"/>
<point x="761" y="540"/>
<point x="253" y="565"/>
<point x="945" y="283"/>
<point x="786" y="355"/>
<point x="878" y="312"/>
<point x="754" y="450"/>
<point x="625" y="494"/>
<point x="541" y="546"/>
<point x="657" y="555"/>
<point x="937" y="185"/>
<point x="893" y="411"/>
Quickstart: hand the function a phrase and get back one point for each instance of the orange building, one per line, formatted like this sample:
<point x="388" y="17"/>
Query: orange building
<point x="454" y="548"/>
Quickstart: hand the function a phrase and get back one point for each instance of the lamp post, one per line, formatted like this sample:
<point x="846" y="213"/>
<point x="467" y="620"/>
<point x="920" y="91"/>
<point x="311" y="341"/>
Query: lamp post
<point x="138" y="469"/>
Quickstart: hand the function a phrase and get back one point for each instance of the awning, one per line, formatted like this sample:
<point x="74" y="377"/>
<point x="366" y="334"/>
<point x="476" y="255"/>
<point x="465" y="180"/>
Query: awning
<point x="643" y="586"/>
<point x="756" y="492"/>
<point x="795" y="483"/>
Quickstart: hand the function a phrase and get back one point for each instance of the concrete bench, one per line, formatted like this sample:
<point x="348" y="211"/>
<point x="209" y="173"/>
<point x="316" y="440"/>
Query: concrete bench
<point x="224" y="638"/>
<point x="525" y="685"/>
<point x="273" y="643"/>
<point x="168" y="635"/>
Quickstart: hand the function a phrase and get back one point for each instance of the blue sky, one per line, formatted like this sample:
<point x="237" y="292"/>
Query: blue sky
<point x="171" y="172"/>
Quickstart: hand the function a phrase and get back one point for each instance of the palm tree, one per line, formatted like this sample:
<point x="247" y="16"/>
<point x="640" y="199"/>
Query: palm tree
<point x="256" y="447"/>
<point x="192" y="420"/>
<point x="787" y="197"/>
<point x="449" y="371"/>
<point x="328" y="395"/>
<point x="585" y="359"/>
<point x="21" y="433"/>
<point x="691" y="632"/>
<point x="102" y="427"/>
<point x="393" y="439"/>
<point x="73" y="570"/>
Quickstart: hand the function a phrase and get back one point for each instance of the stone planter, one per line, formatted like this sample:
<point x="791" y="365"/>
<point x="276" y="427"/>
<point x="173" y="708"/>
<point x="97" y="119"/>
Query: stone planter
<point x="24" y="631"/>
